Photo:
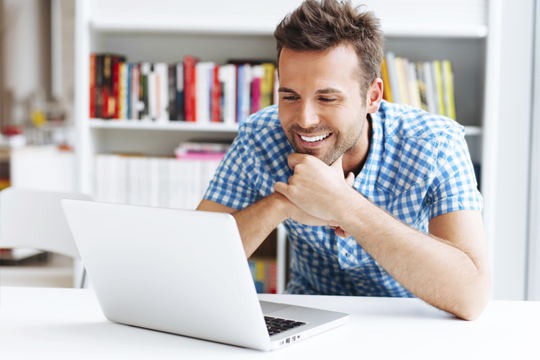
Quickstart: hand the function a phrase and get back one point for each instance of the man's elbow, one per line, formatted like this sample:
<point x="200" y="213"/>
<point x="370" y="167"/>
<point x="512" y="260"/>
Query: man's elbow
<point x="473" y="302"/>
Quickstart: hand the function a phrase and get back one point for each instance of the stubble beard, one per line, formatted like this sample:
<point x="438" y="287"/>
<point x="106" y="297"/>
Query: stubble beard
<point x="343" y="141"/>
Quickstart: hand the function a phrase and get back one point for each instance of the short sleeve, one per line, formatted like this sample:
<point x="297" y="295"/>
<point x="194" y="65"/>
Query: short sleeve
<point x="234" y="183"/>
<point x="454" y="186"/>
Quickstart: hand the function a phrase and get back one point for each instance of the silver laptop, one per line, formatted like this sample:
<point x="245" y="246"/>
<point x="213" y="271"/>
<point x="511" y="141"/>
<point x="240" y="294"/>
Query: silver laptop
<point x="183" y="272"/>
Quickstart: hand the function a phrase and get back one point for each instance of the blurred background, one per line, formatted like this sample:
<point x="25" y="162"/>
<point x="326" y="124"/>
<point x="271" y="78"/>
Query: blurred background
<point x="65" y="128"/>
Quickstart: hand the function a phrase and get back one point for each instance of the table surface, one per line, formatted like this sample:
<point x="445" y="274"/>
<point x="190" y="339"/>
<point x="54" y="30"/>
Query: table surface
<point x="43" y="323"/>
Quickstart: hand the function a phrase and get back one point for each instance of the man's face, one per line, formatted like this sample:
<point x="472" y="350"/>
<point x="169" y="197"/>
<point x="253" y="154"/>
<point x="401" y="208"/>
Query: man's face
<point x="320" y="106"/>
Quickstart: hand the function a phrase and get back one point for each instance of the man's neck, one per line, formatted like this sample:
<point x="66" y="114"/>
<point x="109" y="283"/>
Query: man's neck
<point x="353" y="161"/>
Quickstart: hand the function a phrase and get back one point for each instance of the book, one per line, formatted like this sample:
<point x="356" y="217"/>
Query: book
<point x="387" y="90"/>
<point x="401" y="78"/>
<point x="114" y="104"/>
<point x="257" y="73"/>
<point x="430" y="93"/>
<point x="93" y="65"/>
<point x="180" y="92"/>
<point x="439" y="91"/>
<point x="419" y="67"/>
<point x="135" y="87"/>
<point x="99" y="86"/>
<point x="190" y="88"/>
<point x="161" y="71"/>
<point x="227" y="79"/>
<point x="392" y="76"/>
<point x="144" y="106"/>
<point x="122" y="91"/>
<point x="448" y="82"/>
<point x="267" y="84"/>
<point x="414" y="93"/>
<point x="152" y="93"/>
<point x="215" y="109"/>
<point x="172" y="107"/>
<point x="204" y="73"/>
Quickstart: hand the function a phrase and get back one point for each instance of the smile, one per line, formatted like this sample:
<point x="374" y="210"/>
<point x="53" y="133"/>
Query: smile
<point x="314" y="138"/>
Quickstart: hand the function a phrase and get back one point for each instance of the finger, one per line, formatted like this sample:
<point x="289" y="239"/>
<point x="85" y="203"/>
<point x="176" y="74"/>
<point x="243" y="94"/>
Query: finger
<point x="350" y="179"/>
<point x="281" y="188"/>
<point x="295" y="158"/>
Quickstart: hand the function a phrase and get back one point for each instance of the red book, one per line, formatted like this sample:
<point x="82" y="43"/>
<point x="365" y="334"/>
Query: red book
<point x="92" y="86"/>
<point x="216" y="96"/>
<point x="116" y="60"/>
<point x="106" y="89"/>
<point x="189" y="87"/>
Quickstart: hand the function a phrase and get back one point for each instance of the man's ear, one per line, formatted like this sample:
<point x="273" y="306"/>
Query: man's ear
<point x="374" y="96"/>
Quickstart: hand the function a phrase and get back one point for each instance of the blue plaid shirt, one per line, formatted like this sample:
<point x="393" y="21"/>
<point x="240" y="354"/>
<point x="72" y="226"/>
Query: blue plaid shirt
<point x="418" y="167"/>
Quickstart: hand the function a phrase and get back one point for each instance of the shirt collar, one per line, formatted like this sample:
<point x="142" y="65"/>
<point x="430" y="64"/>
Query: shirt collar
<point x="366" y="179"/>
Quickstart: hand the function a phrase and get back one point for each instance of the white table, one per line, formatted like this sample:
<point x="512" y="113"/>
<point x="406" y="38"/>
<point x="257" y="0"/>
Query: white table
<point x="47" y="323"/>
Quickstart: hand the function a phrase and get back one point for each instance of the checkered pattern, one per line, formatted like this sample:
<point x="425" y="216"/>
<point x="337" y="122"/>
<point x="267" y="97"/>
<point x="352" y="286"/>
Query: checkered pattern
<point x="418" y="167"/>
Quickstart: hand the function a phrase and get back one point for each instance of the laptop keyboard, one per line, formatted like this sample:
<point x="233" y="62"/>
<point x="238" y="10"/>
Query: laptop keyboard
<point x="277" y="325"/>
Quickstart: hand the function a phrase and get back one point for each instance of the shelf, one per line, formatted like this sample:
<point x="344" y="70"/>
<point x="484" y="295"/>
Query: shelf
<point x="145" y="25"/>
<point x="149" y="125"/>
<point x="473" y="130"/>
<point x="186" y="126"/>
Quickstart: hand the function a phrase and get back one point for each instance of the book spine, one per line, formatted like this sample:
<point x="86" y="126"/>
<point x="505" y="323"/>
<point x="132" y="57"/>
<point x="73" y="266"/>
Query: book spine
<point x="116" y="68"/>
<point x="172" y="92"/>
<point x="401" y="80"/>
<point x="121" y="99"/>
<point x="430" y="94"/>
<point x="392" y="76"/>
<point x="152" y="93"/>
<point x="276" y="86"/>
<point x="92" y="92"/>
<point x="162" y="88"/>
<point x="448" y="89"/>
<point x="190" y="88"/>
<point x="227" y="75"/>
<point x="180" y="115"/>
<point x="438" y="86"/>
<point x="239" y="92"/>
<point x="216" y="95"/>
<point x="144" y="112"/>
<point x="267" y="84"/>
<point x="129" y="68"/>
<point x="107" y="110"/>
<point x="257" y="73"/>
<point x="387" y="90"/>
<point x="135" y="91"/>
<point x="413" y="85"/>
<point x="419" y="67"/>
<point x="203" y="91"/>
<point x="99" y="86"/>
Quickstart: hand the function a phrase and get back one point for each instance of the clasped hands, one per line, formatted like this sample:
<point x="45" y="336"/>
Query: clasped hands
<point x="316" y="192"/>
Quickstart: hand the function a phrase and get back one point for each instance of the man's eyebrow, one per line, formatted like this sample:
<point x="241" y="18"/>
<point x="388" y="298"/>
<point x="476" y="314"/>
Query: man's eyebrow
<point x="320" y="91"/>
<point x="328" y="91"/>
<point x="286" y="90"/>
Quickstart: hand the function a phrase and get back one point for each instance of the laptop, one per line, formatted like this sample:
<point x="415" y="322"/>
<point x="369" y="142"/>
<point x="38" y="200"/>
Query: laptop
<point x="183" y="272"/>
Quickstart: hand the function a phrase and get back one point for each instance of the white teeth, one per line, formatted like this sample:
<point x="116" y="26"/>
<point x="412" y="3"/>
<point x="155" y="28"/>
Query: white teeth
<point x="314" y="138"/>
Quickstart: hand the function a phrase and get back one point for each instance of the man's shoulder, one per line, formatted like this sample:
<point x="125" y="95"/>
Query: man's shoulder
<point x="403" y="122"/>
<point x="266" y="119"/>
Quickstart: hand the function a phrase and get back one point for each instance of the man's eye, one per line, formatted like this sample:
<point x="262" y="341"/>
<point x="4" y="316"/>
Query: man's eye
<point x="327" y="99"/>
<point x="290" y="97"/>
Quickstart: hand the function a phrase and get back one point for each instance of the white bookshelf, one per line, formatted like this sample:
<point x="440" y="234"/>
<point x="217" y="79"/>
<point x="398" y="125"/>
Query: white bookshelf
<point x="167" y="30"/>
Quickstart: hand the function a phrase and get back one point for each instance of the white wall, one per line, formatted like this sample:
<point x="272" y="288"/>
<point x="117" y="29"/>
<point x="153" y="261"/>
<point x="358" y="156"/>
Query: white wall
<point x="512" y="176"/>
<point x="26" y="51"/>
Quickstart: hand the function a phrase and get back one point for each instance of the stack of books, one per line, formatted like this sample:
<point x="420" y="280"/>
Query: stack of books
<point x="264" y="273"/>
<point x="190" y="90"/>
<point x="428" y="85"/>
<point x="153" y="181"/>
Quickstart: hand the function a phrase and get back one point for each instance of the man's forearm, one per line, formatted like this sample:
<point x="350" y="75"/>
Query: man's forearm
<point x="257" y="221"/>
<point x="435" y="270"/>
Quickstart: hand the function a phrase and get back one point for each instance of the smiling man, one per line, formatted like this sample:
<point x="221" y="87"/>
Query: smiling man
<point x="379" y="199"/>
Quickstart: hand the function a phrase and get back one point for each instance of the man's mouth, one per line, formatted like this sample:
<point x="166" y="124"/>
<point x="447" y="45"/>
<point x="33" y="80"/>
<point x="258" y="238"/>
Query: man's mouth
<point x="315" y="138"/>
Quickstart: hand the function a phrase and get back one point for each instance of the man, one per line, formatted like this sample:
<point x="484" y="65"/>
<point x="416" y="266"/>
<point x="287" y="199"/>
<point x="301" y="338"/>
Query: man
<point x="379" y="199"/>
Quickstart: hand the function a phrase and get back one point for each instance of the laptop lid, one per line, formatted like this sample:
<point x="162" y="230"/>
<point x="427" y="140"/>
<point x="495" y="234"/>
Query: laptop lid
<point x="177" y="271"/>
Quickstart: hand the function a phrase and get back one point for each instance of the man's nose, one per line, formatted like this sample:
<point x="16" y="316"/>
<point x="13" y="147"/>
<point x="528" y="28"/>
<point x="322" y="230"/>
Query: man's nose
<point x="307" y="116"/>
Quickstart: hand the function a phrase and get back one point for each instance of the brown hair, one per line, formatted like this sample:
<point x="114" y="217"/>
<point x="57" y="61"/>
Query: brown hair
<point x="323" y="25"/>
